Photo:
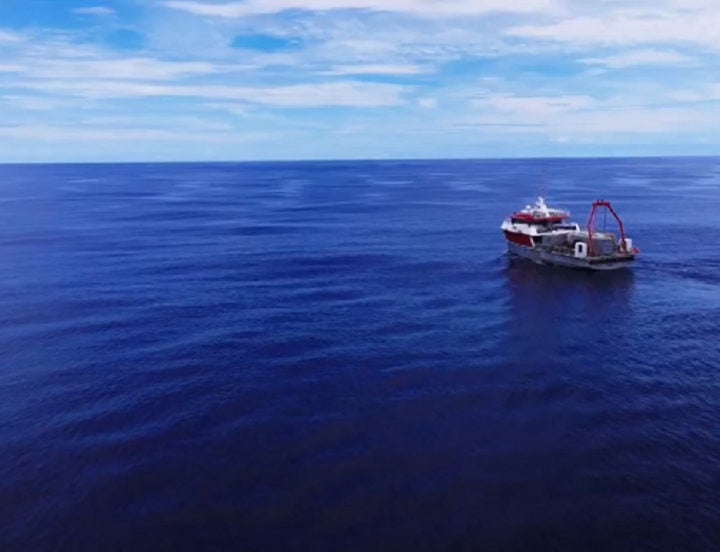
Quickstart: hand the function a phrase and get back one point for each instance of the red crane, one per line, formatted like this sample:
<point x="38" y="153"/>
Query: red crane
<point x="591" y="223"/>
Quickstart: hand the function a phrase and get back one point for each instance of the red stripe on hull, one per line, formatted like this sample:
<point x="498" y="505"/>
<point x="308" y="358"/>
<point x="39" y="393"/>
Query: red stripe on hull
<point x="520" y="239"/>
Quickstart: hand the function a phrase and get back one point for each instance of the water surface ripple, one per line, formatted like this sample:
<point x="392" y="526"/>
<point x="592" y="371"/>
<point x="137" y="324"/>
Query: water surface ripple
<point x="339" y="356"/>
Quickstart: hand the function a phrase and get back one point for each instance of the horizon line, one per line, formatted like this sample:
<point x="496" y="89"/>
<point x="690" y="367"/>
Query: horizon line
<point x="366" y="160"/>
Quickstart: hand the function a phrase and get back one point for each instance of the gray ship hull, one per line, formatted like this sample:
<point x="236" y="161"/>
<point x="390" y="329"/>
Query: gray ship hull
<point x="545" y="256"/>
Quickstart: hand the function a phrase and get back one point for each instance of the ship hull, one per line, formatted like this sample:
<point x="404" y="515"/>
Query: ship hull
<point x="542" y="256"/>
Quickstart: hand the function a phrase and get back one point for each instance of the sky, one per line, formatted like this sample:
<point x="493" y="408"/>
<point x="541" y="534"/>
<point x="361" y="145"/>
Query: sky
<point x="184" y="80"/>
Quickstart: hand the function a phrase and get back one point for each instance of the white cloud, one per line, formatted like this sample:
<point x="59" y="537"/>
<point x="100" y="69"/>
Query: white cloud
<point x="95" y="10"/>
<point x="583" y="115"/>
<point x="176" y="123"/>
<point x="602" y="123"/>
<point x="336" y="94"/>
<point x="639" y="120"/>
<point x="416" y="7"/>
<point x="117" y="69"/>
<point x="535" y="106"/>
<point x="630" y="27"/>
<point x="235" y="108"/>
<point x="7" y="36"/>
<point x="37" y="103"/>
<point x="641" y="57"/>
<point x="62" y="133"/>
<point x="377" y="70"/>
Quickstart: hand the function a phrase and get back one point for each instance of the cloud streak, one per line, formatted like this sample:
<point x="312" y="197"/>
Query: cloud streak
<point x="95" y="10"/>
<point x="629" y="28"/>
<point x="415" y="7"/>
<point x="329" y="94"/>
<point x="378" y="69"/>
<point x="116" y="69"/>
<point x="635" y="58"/>
<point x="7" y="36"/>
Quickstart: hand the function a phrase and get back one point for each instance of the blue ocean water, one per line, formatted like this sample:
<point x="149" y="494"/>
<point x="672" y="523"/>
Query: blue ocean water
<point x="340" y="356"/>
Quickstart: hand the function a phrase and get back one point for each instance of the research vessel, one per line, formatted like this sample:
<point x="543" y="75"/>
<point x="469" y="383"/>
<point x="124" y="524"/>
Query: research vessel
<point x="545" y="235"/>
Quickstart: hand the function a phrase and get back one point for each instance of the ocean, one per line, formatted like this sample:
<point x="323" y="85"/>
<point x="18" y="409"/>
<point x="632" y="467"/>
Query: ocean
<point x="341" y="356"/>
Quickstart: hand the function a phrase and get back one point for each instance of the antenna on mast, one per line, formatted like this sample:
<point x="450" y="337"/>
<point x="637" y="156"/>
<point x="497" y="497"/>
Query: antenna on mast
<point x="542" y="187"/>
